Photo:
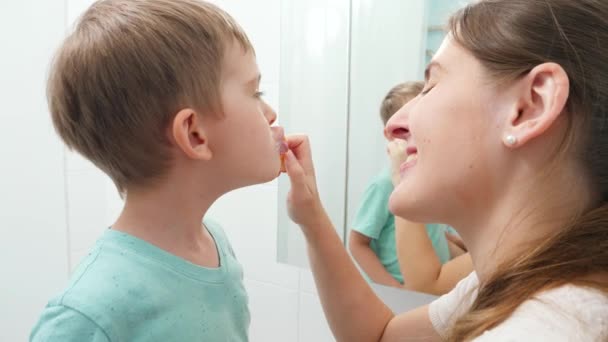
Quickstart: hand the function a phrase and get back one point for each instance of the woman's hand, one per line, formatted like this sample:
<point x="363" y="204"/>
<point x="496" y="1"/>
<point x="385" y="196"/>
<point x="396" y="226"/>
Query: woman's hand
<point x="303" y="202"/>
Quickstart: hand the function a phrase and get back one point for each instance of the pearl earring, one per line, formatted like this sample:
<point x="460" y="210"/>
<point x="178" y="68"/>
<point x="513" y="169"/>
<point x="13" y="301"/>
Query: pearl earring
<point x="511" y="140"/>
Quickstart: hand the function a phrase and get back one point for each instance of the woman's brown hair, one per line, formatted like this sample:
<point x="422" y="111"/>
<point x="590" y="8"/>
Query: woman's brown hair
<point x="510" y="38"/>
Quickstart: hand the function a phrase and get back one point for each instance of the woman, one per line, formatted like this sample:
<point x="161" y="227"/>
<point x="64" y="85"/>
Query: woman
<point x="512" y="131"/>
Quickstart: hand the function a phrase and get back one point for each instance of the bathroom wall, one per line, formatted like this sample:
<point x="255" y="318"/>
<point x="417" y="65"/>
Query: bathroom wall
<point x="33" y="247"/>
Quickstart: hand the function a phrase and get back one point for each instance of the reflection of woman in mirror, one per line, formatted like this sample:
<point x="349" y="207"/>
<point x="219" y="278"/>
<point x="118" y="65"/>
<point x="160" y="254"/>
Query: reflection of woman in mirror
<point x="511" y="132"/>
<point x="372" y="238"/>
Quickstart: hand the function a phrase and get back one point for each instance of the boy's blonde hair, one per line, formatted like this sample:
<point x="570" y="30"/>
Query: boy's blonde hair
<point x="126" y="70"/>
<point x="398" y="96"/>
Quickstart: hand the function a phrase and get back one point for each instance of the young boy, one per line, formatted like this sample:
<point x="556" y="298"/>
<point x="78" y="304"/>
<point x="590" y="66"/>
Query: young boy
<point x="163" y="97"/>
<point x="372" y="237"/>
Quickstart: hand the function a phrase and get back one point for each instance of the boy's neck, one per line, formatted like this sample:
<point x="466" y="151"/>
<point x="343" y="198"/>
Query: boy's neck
<point x="170" y="217"/>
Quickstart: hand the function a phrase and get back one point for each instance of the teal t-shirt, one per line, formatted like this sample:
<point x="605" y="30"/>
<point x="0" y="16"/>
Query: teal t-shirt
<point x="375" y="221"/>
<point x="130" y="290"/>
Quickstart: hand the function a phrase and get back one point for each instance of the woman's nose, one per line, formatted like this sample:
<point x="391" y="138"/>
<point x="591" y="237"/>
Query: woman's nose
<point x="397" y="127"/>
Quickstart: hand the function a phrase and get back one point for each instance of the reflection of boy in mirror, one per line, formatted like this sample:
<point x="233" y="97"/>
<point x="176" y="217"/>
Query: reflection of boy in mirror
<point x="156" y="107"/>
<point x="372" y="238"/>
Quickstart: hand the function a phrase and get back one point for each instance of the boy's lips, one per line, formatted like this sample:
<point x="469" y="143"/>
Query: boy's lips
<point x="283" y="148"/>
<point x="278" y="134"/>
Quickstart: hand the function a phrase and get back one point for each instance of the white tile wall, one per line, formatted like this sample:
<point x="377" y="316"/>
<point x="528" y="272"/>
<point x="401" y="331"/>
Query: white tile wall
<point x="313" y="327"/>
<point x="307" y="282"/>
<point x="33" y="247"/>
<point x="274" y="312"/>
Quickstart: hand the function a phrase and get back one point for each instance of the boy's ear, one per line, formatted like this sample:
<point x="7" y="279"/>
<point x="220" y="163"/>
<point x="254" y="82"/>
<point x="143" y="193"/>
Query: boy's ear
<point x="542" y="99"/>
<point x="189" y="135"/>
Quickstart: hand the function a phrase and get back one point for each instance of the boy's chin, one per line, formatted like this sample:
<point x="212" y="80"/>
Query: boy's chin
<point x="263" y="176"/>
<point x="271" y="175"/>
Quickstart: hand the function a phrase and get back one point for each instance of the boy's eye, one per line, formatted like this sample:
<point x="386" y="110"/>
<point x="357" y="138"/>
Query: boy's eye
<point x="259" y="94"/>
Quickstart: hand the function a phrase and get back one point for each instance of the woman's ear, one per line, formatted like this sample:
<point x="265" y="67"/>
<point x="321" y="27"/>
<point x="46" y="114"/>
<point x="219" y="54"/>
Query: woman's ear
<point x="189" y="135"/>
<point x="542" y="96"/>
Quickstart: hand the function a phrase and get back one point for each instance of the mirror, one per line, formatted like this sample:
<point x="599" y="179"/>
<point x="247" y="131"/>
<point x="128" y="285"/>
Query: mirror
<point x="313" y="98"/>
<point x="339" y="58"/>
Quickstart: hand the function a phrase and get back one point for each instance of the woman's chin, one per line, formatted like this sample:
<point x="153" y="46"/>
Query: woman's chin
<point x="396" y="205"/>
<point x="402" y="206"/>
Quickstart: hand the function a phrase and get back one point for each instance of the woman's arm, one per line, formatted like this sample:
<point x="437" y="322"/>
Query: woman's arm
<point x="353" y="310"/>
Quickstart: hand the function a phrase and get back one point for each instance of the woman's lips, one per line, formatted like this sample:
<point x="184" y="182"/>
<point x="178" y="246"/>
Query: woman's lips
<point x="410" y="161"/>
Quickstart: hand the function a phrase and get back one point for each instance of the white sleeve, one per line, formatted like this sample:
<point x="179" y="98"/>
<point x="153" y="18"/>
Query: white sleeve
<point x="526" y="327"/>
<point x="444" y="311"/>
<point x="561" y="315"/>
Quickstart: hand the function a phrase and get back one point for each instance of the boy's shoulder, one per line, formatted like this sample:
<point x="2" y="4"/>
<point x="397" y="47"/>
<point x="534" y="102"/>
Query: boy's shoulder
<point x="104" y="285"/>
<point x="108" y="278"/>
<point x="121" y="286"/>
<point x="219" y="235"/>
<point x="120" y="268"/>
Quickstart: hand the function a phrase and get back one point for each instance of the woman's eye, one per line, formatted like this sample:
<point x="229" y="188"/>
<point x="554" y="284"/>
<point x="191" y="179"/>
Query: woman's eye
<point x="426" y="91"/>
<point x="259" y="94"/>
